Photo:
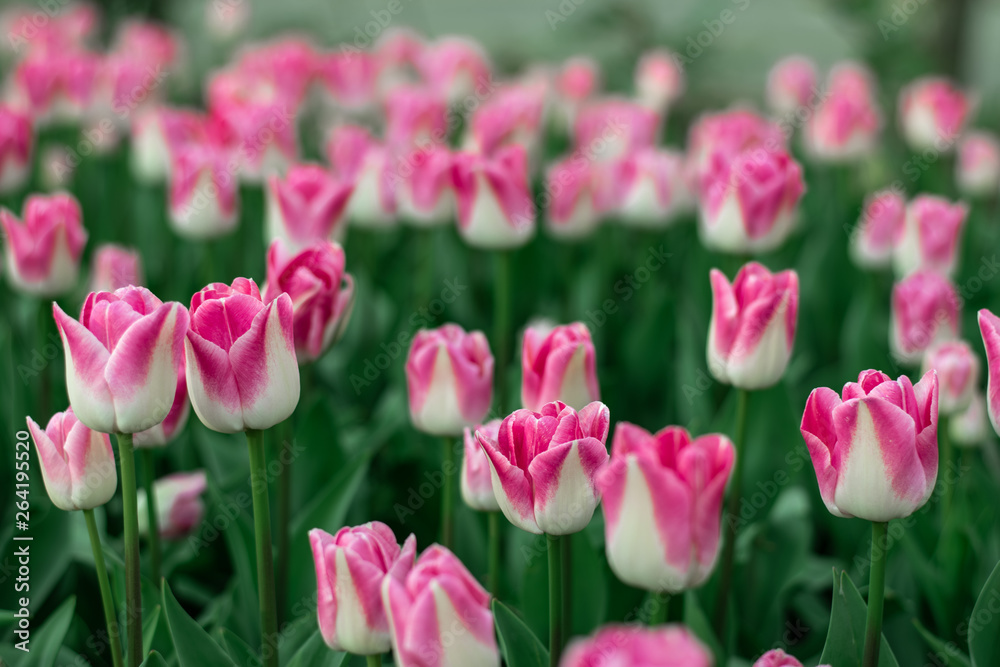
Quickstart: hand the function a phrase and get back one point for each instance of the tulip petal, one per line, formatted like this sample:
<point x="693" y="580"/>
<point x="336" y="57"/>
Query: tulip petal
<point x="86" y="359"/>
<point x="55" y="470"/>
<point x="565" y="494"/>
<point x="820" y="435"/>
<point x="212" y="387"/>
<point x="512" y="488"/>
<point x="989" y="326"/>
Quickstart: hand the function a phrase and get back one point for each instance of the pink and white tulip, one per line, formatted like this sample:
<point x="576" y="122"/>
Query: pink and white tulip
<point x="43" y="252"/>
<point x="204" y="195"/>
<point x="423" y="180"/>
<point x="989" y="327"/>
<point x="558" y="364"/>
<point x="456" y="68"/>
<point x="933" y="113"/>
<point x="56" y="86"/>
<point x="349" y="78"/>
<point x="16" y="142"/>
<point x="179" y="507"/>
<point x="610" y="128"/>
<point x="958" y="374"/>
<point x="659" y="79"/>
<point x="512" y="115"/>
<point x="778" y="658"/>
<point x="847" y="121"/>
<point x="977" y="171"/>
<point x="493" y="196"/>
<point x="930" y="237"/>
<point x="925" y="310"/>
<point x="791" y="85"/>
<point x="308" y="204"/>
<point x="718" y="137"/>
<point x="155" y="134"/>
<point x="415" y="116"/>
<point x="358" y="158"/>
<point x="874" y="238"/>
<point x="650" y="188"/>
<point x="664" y="646"/>
<point x="574" y="210"/>
<point x="114" y="266"/>
<point x="577" y="80"/>
<point x="476" y="483"/>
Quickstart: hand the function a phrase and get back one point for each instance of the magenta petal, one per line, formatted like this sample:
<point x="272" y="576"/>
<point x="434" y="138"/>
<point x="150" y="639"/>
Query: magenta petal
<point x="821" y="437"/>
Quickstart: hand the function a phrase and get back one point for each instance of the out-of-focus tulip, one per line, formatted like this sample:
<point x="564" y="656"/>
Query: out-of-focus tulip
<point x="225" y="20"/>
<point x="264" y="138"/>
<point x="179" y="507"/>
<point x="423" y="182"/>
<point x="456" y="68"/>
<point x="791" y="84"/>
<point x="155" y="133"/>
<point x="322" y="294"/>
<point x="123" y="357"/>
<point x="664" y="646"/>
<point x="398" y="50"/>
<point x="415" y="116"/>
<point x="930" y="236"/>
<point x="358" y="158"/>
<point x="558" y="364"/>
<point x="351" y="567"/>
<point x="573" y="211"/>
<point x="969" y="427"/>
<point x="610" y="128"/>
<point x="72" y="27"/>
<point x="749" y="203"/>
<point x="43" y="251"/>
<point x="881" y="224"/>
<point x="55" y="167"/>
<point x="306" y="205"/>
<point x="989" y="327"/>
<point x="875" y="447"/>
<point x="543" y="466"/>
<point x="958" y="374"/>
<point x="279" y="71"/>
<point x="349" y="77"/>
<point x="16" y="141"/>
<point x="933" y="113"/>
<point x="56" y="86"/>
<point x="659" y="79"/>
<point x="241" y="367"/>
<point x="778" y="658"/>
<point x="924" y="311"/>
<point x="575" y="82"/>
<point x="204" y="195"/>
<point x="717" y="138"/>
<point x="977" y="170"/>
<point x="449" y="375"/>
<point x="512" y="115"/>
<point x="650" y="188"/>
<point x="846" y="123"/>
<point x="477" y="486"/>
<point x="495" y="209"/>
<point x="662" y="499"/>
<point x="113" y="267"/>
<point x="78" y="464"/>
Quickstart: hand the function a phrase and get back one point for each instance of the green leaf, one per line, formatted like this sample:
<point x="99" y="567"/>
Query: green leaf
<point x="44" y="646"/>
<point x="193" y="645"/>
<point x="695" y="619"/>
<point x="149" y="623"/>
<point x="154" y="659"/>
<point x="984" y="626"/>
<point x="948" y="655"/>
<point x="518" y="645"/>
<point x="6" y="617"/>
<point x="315" y="653"/>
<point x="238" y="649"/>
<point x="845" y="640"/>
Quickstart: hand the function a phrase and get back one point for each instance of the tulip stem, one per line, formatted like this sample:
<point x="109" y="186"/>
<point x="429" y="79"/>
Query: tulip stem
<point x="661" y="606"/>
<point x="448" y="492"/>
<point x="876" y="594"/>
<point x="154" y="528"/>
<point x="567" y="587"/>
<point x="493" y="519"/>
<point x="375" y="660"/>
<point x="946" y="456"/>
<point x="555" y="599"/>
<point x="106" y="599"/>
<point x="732" y="512"/>
<point x="133" y="592"/>
<point x="265" y="556"/>
<point x="501" y="323"/>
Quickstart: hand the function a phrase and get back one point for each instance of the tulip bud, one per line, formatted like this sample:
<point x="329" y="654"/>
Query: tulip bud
<point x="78" y="464"/>
<point x="155" y="133"/>
<point x="558" y="364"/>
<point x="968" y="428"/>
<point x="932" y="113"/>
<point x="439" y="615"/>
<point x="348" y="77"/>
<point x="958" y="374"/>
<point x="449" y="375"/>
<point x="659" y="79"/>
<point x="662" y="499"/>
<point x="16" y="142"/>
<point x="663" y="646"/>
<point x="573" y="212"/>
<point x="356" y="157"/>
<point x="875" y="447"/>
<point x="543" y="466"/>
<point x="875" y="235"/>
<point x="423" y="186"/>
<point x="650" y="188"/>
<point x="791" y="84"/>
<point x="924" y="311"/>
<point x="398" y="51"/>
<point x="477" y="486"/>
<point x="322" y="294"/>
<point x="778" y="658"/>
<point x="43" y="252"/>
<point x="721" y="136"/>
<point x="123" y="358"/>
<point x="173" y="423"/>
<point x="512" y="115"/>
<point x="978" y="167"/>
<point x="989" y="327"/>
<point x="845" y="125"/>
<point x="930" y="236"/>
<point x="351" y="567"/>
<point x="204" y="195"/>
<point x="113" y="267"/>
<point x="56" y="85"/>
<point x="415" y="116"/>
<point x="577" y="80"/>
<point x="752" y="331"/>
<point x="608" y="129"/>
<point x="241" y="367"/>
<point x="307" y="205"/>
<point x="179" y="508"/>
<point x="495" y="209"/>
<point x="455" y="68"/>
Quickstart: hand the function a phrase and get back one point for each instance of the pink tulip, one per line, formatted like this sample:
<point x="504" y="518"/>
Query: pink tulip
<point x="457" y="69"/>
<point x="424" y="190"/>
<point x="513" y="114"/>
<point x="969" y="427"/>
<point x="306" y="205"/>
<point x="578" y="79"/>
<point x="398" y="51"/>
<point x="875" y="448"/>
<point x="113" y="267"/>
<point x="16" y="142"/>
<point x="752" y="332"/>
<point x="78" y="464"/>
<point x="349" y="78"/>
<point x="845" y="125"/>
<point x="881" y="224"/>
<point x="449" y="375"/>
<point x="351" y="567"/>
<point x="204" y="195"/>
<point x="415" y="116"/>
<point x="322" y="294"/>
<point x="989" y="326"/>
<point x="574" y="211"/>
<point x="933" y="113"/>
<point x="717" y="138"/>
<point x="241" y="367"/>
<point x="958" y="374"/>
<point x="613" y="645"/>
<point x="930" y="236"/>
<point x="156" y="133"/>
<point x="978" y="166"/>
<point x="72" y="27"/>
<point x="179" y="507"/>
<point x="544" y="465"/>
<point x="358" y="158"/>
<point x="791" y="85"/>
<point x="122" y="358"/>
<point x="650" y="188"/>
<point x="43" y="252"/>
<point x="173" y="423"/>
<point x="558" y="364"/>
<point x="925" y="309"/>
<point x="56" y="86"/>
<point x="264" y="137"/>
<point x="778" y="658"/>
<point x="439" y="615"/>
<point x="659" y="79"/>
<point x="280" y="71"/>
<point x="477" y="485"/>
<point x="610" y="128"/>
<point x="495" y="208"/>
<point x="226" y="20"/>
<point x="662" y="498"/>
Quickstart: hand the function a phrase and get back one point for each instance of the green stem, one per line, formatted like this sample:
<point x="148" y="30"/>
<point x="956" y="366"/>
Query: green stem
<point x="44" y="377"/>
<point x="265" y="557"/>
<point x="732" y="514"/>
<point x="102" y="579"/>
<point x="154" y="528"/>
<point x="133" y="592"/>
<point x="501" y="323"/>
<point x="944" y="465"/>
<point x="876" y="594"/>
<point x="661" y="602"/>
<point x="555" y="599"/>
<point x="448" y="492"/>
<point x="493" y="518"/>
<point x="284" y="519"/>
<point x="374" y="660"/>
<point x="567" y="587"/>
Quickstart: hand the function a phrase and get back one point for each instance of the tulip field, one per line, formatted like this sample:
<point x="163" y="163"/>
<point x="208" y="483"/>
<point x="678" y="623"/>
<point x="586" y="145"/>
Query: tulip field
<point x="424" y="334"/>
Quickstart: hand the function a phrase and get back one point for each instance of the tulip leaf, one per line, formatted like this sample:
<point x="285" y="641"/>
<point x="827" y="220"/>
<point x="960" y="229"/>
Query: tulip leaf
<point x="518" y="644"/>
<point x="695" y="619"/>
<point x="984" y="625"/>
<point x="238" y="649"/>
<point x="6" y="617"/>
<point x="315" y="653"/>
<point x="154" y="659"/>
<point x="45" y="644"/>
<point x="194" y="646"/>
<point x="150" y="621"/>
<point x="845" y="640"/>
<point x="946" y="653"/>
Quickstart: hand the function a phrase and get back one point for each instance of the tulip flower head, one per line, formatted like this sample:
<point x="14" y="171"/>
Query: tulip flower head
<point x="958" y="374"/>
<point x="574" y="210"/>
<point x="495" y="209"/>
<point x="663" y="646"/>
<point x="415" y="116"/>
<point x="610" y="128"/>
<point x="349" y="78"/>
<point x="778" y="658"/>
<point x="933" y="113"/>
<point x="558" y="364"/>
<point x="476" y="484"/>
<point x="43" y="252"/>
<point x="978" y="166"/>
<point x="113" y="267"/>
<point x="161" y="434"/>
<point x="721" y="136"/>
<point x="204" y="198"/>
<point x="845" y="125"/>
<point x="306" y="205"/>
<point x="924" y="311"/>
<point x="512" y="115"/>
<point x="650" y="188"/>
<point x="791" y="84"/>
<point x="424" y="190"/>
<point x="881" y="224"/>
<point x="930" y="236"/>
<point x="989" y="327"/>
<point x="356" y="157"/>
<point x="455" y="68"/>
<point x="179" y="507"/>
<point x="659" y="79"/>
<point x="16" y="142"/>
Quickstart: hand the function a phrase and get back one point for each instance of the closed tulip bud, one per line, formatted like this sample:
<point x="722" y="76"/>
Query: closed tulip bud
<point x="577" y="80"/>
<point x="847" y="121"/>
<point x="978" y="166"/>
<point x="456" y="69"/>
<point x="650" y="188"/>
<point x="322" y="294"/>
<point x="241" y="367"/>
<point x="558" y="364"/>
<point x="161" y="434"/>
<point x="574" y="211"/>
<point x="610" y="128"/>
<point x="415" y="116"/>
<point x="398" y="51"/>
<point x="477" y="486"/>
<point x="875" y="235"/>
<point x="123" y="357"/>
<point x="43" y="251"/>
<point x="933" y="113"/>
<point x="78" y="464"/>
<point x="16" y="142"/>
<point x="752" y="331"/>
<point x="351" y="567"/>
<point x="875" y="447"/>
<point x="113" y="267"/>
<point x="306" y="205"/>
<point x="424" y="190"/>
<point x="495" y="209"/>
<point x="958" y="374"/>
<point x="348" y="77"/>
<point x="662" y="497"/>
<point x="204" y="195"/>
<point x="930" y="236"/>
<point x="659" y="79"/>
<point x="778" y="658"/>
<point x="449" y="375"/>
<point x="749" y="203"/>
<point x="512" y="115"/>
<point x="179" y="507"/>
<point x="56" y="85"/>
<point x="358" y="158"/>
<point x="989" y="326"/>
<point x="664" y="646"/>
<point x="924" y="311"/>
<point x="439" y="615"/>
<point x="155" y="133"/>
<point x="721" y="136"/>
<point x="791" y="84"/>
<point x="969" y="427"/>
<point x="543" y="466"/>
